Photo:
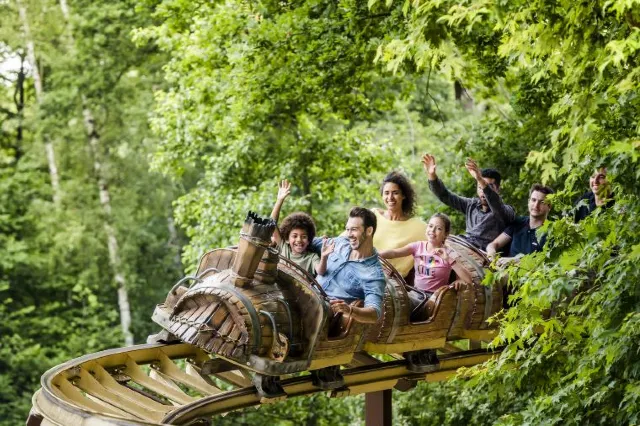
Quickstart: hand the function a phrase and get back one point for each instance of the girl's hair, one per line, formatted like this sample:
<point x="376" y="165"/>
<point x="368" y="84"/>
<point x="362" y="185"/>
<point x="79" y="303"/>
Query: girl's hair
<point x="409" y="202"/>
<point x="298" y="220"/>
<point x="445" y="220"/>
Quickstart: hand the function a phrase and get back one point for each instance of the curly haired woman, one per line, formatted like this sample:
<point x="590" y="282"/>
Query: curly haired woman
<point x="397" y="225"/>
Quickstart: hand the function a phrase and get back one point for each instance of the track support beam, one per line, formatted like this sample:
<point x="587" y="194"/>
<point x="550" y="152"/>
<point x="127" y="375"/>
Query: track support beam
<point x="378" y="408"/>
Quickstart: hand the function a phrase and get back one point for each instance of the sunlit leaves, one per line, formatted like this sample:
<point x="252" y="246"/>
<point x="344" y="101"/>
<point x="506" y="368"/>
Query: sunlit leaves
<point x="266" y="93"/>
<point x="58" y="300"/>
<point x="573" y="77"/>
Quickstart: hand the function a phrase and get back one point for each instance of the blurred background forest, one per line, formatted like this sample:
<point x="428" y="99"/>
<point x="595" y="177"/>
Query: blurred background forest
<point x="135" y="135"/>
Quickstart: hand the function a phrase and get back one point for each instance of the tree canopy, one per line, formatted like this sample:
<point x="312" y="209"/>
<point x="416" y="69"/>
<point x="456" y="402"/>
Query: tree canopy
<point x="199" y="109"/>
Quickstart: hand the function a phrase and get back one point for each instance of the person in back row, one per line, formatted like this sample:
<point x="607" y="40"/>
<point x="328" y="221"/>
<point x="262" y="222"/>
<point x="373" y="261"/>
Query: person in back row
<point x="433" y="261"/>
<point x="599" y="195"/>
<point x="486" y="216"/>
<point x="294" y="235"/>
<point x="349" y="268"/>
<point x="397" y="225"/>
<point x="522" y="233"/>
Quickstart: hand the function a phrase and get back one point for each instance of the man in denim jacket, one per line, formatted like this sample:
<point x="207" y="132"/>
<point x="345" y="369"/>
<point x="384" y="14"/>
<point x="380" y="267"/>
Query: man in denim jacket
<point x="349" y="268"/>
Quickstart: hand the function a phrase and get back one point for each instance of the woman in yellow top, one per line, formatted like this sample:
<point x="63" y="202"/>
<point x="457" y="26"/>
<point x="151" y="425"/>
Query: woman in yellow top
<point x="397" y="225"/>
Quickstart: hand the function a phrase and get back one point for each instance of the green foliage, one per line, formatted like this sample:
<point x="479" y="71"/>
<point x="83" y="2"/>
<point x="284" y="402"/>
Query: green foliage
<point x="58" y="299"/>
<point x="270" y="92"/>
<point x="330" y="95"/>
<point x="316" y="410"/>
<point x="555" y="90"/>
<point x="567" y="70"/>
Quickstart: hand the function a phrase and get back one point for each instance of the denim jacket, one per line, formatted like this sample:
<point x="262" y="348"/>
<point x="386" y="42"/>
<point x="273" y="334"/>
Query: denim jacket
<point x="351" y="280"/>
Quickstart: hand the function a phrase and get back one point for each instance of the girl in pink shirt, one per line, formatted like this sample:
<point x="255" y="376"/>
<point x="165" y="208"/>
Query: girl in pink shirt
<point x="432" y="260"/>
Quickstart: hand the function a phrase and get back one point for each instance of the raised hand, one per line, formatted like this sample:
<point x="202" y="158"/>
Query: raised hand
<point x="473" y="169"/>
<point x="429" y="166"/>
<point x="284" y="189"/>
<point x="327" y="247"/>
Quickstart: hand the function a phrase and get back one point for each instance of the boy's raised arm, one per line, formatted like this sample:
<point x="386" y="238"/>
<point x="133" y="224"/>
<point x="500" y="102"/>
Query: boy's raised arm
<point x="284" y="189"/>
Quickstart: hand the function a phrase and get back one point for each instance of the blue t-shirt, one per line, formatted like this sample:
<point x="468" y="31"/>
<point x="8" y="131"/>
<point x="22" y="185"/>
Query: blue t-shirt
<point x="351" y="280"/>
<point x="523" y="238"/>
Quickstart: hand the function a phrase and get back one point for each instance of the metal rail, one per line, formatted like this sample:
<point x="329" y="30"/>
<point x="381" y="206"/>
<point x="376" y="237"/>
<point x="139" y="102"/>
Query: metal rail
<point x="181" y="384"/>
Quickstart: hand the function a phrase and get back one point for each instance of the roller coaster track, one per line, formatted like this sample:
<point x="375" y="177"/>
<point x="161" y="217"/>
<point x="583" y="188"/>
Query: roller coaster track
<point x="180" y="385"/>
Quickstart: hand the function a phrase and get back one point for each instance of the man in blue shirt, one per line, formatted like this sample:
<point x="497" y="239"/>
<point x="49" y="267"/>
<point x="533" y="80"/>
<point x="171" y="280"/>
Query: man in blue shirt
<point x="522" y="233"/>
<point x="349" y="268"/>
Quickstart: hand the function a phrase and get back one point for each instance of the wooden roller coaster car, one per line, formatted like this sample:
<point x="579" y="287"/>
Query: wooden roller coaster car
<point x="263" y="312"/>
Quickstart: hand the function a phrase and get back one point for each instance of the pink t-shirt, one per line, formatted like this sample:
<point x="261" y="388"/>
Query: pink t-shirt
<point x="432" y="270"/>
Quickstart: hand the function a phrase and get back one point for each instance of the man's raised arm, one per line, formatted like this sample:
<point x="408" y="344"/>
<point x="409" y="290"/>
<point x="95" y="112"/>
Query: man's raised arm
<point x="504" y="212"/>
<point x="437" y="187"/>
<point x="498" y="207"/>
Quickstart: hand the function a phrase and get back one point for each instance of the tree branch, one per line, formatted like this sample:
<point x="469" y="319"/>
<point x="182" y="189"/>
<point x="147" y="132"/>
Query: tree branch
<point x="8" y="112"/>
<point x="433" y="99"/>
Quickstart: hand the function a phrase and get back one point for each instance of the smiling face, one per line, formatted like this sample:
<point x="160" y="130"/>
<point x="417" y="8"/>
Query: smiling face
<point x="298" y="240"/>
<point x="356" y="233"/>
<point x="598" y="180"/>
<point x="436" y="232"/>
<point x="538" y="207"/>
<point x="492" y="183"/>
<point x="392" y="196"/>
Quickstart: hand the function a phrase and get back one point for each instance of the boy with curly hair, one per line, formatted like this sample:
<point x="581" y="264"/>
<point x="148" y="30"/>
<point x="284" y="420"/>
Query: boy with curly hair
<point x="296" y="233"/>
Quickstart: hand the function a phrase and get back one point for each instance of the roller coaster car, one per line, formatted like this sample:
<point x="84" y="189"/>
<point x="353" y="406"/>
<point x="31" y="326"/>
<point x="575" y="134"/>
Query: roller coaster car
<point x="256" y="309"/>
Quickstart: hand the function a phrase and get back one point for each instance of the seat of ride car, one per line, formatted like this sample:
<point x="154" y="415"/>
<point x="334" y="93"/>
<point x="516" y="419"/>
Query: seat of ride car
<point x="422" y="303"/>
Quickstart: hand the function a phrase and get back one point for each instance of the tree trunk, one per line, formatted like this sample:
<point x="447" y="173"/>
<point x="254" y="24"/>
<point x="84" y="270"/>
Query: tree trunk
<point x="174" y="241"/>
<point x="412" y="134"/>
<point x="18" y="98"/>
<point x="105" y="200"/>
<point x="37" y="80"/>
<point x="112" y="239"/>
<point x="65" y="12"/>
<point x="462" y="95"/>
<point x="306" y="189"/>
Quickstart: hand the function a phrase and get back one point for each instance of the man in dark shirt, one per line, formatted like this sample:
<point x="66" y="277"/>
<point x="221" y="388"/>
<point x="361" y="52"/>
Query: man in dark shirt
<point x="487" y="215"/>
<point x="522" y="233"/>
<point x="599" y="195"/>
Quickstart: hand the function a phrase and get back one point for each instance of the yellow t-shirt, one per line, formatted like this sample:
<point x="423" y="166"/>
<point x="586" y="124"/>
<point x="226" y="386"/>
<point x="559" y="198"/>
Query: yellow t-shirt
<point x="392" y="234"/>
